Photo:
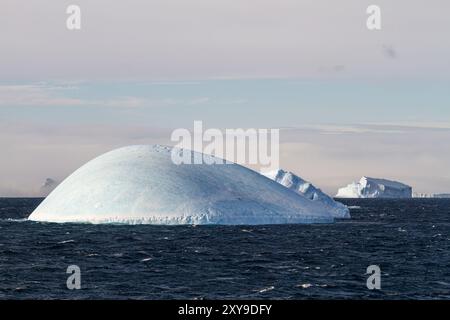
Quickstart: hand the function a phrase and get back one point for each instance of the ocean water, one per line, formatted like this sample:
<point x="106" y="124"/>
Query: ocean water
<point x="408" y="239"/>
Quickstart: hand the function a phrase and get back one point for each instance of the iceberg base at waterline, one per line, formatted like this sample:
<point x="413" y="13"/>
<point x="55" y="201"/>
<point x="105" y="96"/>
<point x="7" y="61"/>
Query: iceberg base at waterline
<point x="141" y="185"/>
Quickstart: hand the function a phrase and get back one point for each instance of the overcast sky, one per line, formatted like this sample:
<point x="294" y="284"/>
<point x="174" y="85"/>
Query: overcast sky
<point x="167" y="39"/>
<point x="356" y="102"/>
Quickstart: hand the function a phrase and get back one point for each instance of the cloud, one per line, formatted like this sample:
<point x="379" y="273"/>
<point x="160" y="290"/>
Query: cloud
<point x="330" y="129"/>
<point x="23" y="95"/>
<point x="34" y="152"/>
<point x="59" y="96"/>
<point x="216" y="39"/>
<point x="48" y="95"/>
<point x="48" y="186"/>
<point x="172" y="83"/>
<point x="389" y="51"/>
<point x="198" y="101"/>
<point x="336" y="69"/>
<point x="413" y="125"/>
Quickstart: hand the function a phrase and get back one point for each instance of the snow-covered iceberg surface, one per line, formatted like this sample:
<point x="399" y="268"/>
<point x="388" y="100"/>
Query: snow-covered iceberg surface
<point x="141" y="185"/>
<point x="305" y="188"/>
<point x="375" y="188"/>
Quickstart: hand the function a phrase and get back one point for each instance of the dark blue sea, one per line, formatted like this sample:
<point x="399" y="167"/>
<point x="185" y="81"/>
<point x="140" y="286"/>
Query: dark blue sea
<point x="408" y="239"/>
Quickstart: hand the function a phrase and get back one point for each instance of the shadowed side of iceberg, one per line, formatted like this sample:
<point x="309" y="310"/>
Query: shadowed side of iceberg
<point x="141" y="185"/>
<point x="307" y="189"/>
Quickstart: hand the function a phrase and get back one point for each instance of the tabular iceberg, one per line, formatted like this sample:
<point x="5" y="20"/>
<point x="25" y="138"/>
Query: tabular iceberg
<point x="305" y="188"/>
<point x="141" y="185"/>
<point x="375" y="188"/>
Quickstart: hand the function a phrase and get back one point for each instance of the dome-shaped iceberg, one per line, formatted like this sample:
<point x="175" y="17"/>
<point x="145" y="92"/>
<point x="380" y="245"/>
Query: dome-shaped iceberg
<point x="141" y="185"/>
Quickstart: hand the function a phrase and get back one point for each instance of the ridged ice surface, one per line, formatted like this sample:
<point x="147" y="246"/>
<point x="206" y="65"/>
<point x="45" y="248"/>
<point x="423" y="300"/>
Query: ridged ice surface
<point x="307" y="189"/>
<point x="141" y="185"/>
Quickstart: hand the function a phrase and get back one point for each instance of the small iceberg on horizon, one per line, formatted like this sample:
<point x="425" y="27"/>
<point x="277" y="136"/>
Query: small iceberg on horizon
<point x="141" y="185"/>
<point x="375" y="188"/>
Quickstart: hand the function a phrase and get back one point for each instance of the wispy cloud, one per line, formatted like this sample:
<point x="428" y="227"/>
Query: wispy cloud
<point x="53" y="95"/>
<point x="49" y="95"/>
<point x="411" y="125"/>
<point x="335" y="69"/>
<point x="328" y="155"/>
<point x="172" y="83"/>
<point x="22" y="95"/>
<point x="389" y="51"/>
<point x="331" y="129"/>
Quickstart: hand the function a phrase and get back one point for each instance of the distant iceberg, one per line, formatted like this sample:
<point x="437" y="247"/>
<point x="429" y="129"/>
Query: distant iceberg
<point x="308" y="190"/>
<point x="141" y="185"/>
<point x="375" y="188"/>
<point x="48" y="186"/>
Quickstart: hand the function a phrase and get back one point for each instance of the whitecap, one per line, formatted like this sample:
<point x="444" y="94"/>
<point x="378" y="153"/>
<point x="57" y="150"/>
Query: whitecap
<point x="266" y="289"/>
<point x="146" y="259"/>
<point x="66" y="241"/>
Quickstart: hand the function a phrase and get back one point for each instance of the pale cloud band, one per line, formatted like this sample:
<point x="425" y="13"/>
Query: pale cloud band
<point x="330" y="156"/>
<point x="39" y="95"/>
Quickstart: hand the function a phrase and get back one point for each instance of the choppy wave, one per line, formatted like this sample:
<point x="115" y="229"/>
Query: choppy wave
<point x="231" y="262"/>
